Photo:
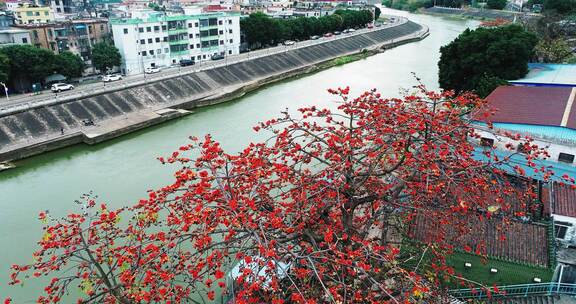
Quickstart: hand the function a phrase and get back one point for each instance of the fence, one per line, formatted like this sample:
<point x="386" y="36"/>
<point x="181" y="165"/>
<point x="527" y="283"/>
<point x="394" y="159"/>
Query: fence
<point x="524" y="290"/>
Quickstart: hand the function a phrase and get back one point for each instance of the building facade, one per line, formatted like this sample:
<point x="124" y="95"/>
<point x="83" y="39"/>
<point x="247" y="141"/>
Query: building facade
<point x="157" y="40"/>
<point x="32" y="14"/>
<point x="13" y="36"/>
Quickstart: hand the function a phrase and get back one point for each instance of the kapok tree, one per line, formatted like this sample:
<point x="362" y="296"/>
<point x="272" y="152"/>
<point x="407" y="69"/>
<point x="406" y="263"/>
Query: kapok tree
<point x="307" y="216"/>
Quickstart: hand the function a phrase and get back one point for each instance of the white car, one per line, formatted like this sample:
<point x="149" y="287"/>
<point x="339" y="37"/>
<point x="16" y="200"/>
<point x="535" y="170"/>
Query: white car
<point x="113" y="77"/>
<point x="289" y="42"/>
<point x="151" y="70"/>
<point x="59" y="87"/>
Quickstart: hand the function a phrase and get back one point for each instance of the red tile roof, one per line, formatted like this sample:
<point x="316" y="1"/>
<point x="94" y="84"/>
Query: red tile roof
<point x="530" y="105"/>
<point x="564" y="199"/>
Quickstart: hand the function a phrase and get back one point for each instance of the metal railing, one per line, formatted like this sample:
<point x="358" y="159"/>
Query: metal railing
<point x="523" y="290"/>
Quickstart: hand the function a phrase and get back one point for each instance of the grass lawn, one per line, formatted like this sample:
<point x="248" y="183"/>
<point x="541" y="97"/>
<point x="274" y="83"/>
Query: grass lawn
<point x="508" y="273"/>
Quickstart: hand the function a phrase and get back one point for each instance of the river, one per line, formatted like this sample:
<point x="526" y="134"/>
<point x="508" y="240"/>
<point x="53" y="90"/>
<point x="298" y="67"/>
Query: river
<point x="121" y="170"/>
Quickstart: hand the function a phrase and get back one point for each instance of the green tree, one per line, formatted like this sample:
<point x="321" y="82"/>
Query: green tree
<point x="28" y="63"/>
<point x="69" y="65"/>
<point x="377" y="13"/>
<point x="563" y="7"/>
<point x="501" y="52"/>
<point x="496" y="4"/>
<point x="4" y="68"/>
<point x="105" y="56"/>
<point x="487" y="84"/>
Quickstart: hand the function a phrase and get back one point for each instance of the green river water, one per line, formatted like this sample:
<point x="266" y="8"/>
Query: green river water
<point x="120" y="171"/>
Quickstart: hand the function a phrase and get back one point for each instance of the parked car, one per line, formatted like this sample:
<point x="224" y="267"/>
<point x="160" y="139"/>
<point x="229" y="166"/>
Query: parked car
<point x="186" y="62"/>
<point x="370" y="26"/>
<point x="328" y="35"/>
<point x="337" y="33"/>
<point x="151" y="70"/>
<point x="113" y="77"/>
<point x="59" y="87"/>
<point x="378" y="24"/>
<point x="289" y="42"/>
<point x="351" y="30"/>
<point x="315" y="37"/>
<point x="217" y="57"/>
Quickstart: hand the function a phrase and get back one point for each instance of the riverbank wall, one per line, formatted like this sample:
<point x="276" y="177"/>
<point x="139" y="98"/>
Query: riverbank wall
<point x="41" y="129"/>
<point x="477" y="14"/>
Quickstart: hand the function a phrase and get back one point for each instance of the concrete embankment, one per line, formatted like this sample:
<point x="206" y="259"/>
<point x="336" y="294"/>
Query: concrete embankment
<point x="37" y="130"/>
<point x="474" y="13"/>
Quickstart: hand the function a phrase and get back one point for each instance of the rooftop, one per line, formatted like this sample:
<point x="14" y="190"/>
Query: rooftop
<point x="564" y="200"/>
<point x="541" y="106"/>
<point x="549" y="74"/>
<point x="164" y="18"/>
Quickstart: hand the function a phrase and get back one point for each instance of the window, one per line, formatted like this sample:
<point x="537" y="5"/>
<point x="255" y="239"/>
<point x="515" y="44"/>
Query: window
<point x="203" y="56"/>
<point x="58" y="10"/>
<point x="90" y="29"/>
<point x="157" y="39"/>
<point x="142" y="41"/>
<point x="220" y="32"/>
<point x="149" y="40"/>
<point x="29" y="14"/>
<point x="164" y="27"/>
<point x="231" y="41"/>
<point x="102" y="27"/>
<point x="522" y="148"/>
<point x="196" y="24"/>
<point x="221" y="42"/>
<point x="484" y="142"/>
<point x="197" y="45"/>
<point x="143" y="53"/>
<point x="141" y="29"/>
<point x="159" y="51"/>
<point x="190" y="35"/>
<point x="229" y="31"/>
<point x="191" y="46"/>
<point x="151" y="52"/>
<point x="560" y="229"/>
<point x="197" y="35"/>
<point x="189" y="24"/>
<point x="148" y="29"/>
<point x="566" y="158"/>
<point x="125" y="31"/>
<point x="212" y="21"/>
<point x="156" y="28"/>
<point x="220" y="22"/>
<point x="166" y="50"/>
<point x="230" y="52"/>
<point x="24" y="40"/>
<point x="229" y="21"/>
<point x="165" y="39"/>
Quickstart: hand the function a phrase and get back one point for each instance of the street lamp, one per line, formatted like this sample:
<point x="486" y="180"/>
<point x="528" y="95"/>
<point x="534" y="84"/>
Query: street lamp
<point x="5" y="90"/>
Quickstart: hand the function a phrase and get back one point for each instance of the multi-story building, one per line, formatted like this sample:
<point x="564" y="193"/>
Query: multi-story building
<point x="11" y="36"/>
<point x="33" y="14"/>
<point x="77" y="36"/>
<point x="156" y="40"/>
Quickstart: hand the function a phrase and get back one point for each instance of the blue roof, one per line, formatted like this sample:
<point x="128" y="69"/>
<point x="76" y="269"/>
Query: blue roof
<point x="519" y="159"/>
<point x="545" y="132"/>
<point x="543" y="74"/>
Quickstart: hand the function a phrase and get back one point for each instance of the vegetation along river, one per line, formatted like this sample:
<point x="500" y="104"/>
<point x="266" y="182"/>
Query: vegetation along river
<point x="120" y="171"/>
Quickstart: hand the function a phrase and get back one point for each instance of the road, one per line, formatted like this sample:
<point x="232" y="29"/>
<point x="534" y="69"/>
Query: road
<point x="45" y="97"/>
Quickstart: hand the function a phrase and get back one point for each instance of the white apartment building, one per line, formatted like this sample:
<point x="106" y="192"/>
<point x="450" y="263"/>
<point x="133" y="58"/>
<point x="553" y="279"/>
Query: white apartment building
<point x="157" y="40"/>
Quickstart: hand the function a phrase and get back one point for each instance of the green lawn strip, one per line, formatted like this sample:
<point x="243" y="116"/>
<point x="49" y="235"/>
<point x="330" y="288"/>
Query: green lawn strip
<point x="509" y="273"/>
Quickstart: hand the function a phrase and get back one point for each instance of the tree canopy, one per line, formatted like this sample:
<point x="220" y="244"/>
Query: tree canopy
<point x="69" y="64"/>
<point x="4" y="68"/>
<point x="305" y="215"/>
<point x="105" y="56"/>
<point x="502" y="52"/>
<point x="496" y="4"/>
<point x="29" y="63"/>
<point x="262" y="30"/>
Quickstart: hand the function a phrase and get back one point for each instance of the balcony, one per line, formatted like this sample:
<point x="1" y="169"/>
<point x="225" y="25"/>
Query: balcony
<point x="179" y="53"/>
<point x="179" y="41"/>
<point x="208" y="38"/>
<point x="209" y="48"/>
<point x="172" y="31"/>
